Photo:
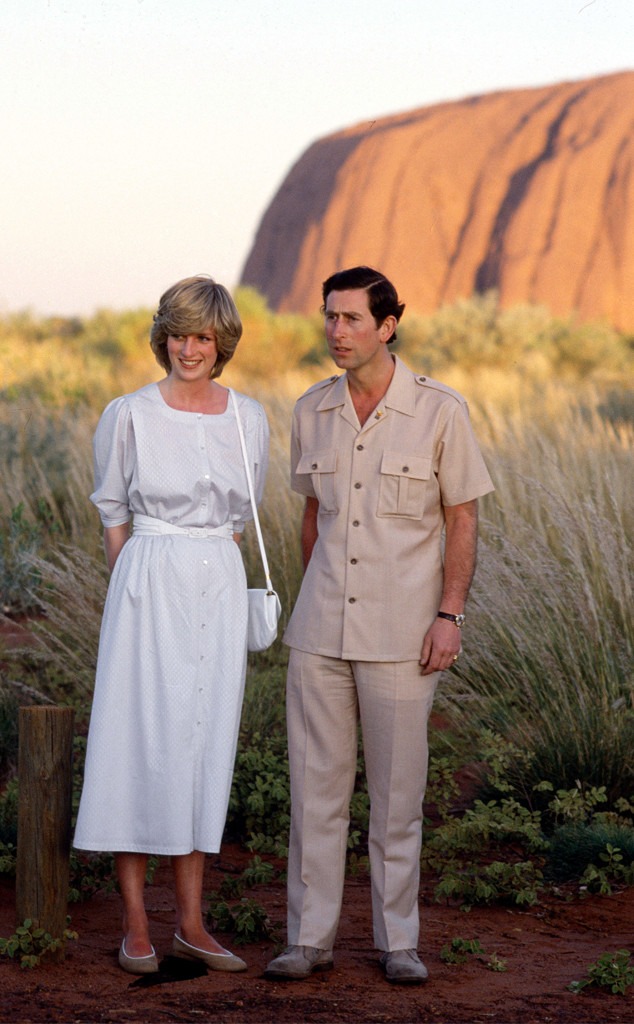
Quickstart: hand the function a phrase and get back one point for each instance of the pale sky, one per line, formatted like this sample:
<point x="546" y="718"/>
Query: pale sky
<point x="142" y="140"/>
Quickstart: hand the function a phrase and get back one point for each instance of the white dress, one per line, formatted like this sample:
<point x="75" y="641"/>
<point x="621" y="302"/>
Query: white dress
<point x="172" y="652"/>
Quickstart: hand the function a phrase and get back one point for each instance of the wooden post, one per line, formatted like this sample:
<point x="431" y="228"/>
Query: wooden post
<point x="44" y="817"/>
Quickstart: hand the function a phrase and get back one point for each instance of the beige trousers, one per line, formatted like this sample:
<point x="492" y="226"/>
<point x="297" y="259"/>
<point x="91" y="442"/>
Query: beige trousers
<point x="326" y="698"/>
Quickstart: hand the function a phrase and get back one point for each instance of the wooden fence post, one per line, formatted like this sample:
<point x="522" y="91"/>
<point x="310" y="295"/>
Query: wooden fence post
<point x="44" y="816"/>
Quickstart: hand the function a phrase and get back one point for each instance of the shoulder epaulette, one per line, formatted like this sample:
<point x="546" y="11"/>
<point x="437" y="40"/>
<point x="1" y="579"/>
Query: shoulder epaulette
<point x="319" y="386"/>
<point x="436" y="385"/>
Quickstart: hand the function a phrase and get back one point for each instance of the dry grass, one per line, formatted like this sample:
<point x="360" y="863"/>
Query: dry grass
<point x="549" y="643"/>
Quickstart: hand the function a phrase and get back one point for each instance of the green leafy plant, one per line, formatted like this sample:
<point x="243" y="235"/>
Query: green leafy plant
<point x="518" y="883"/>
<point x="8" y="854"/>
<point x="30" y="944"/>
<point x="90" y="874"/>
<point x="597" y="852"/>
<point x="247" y="920"/>
<point x="612" y="971"/>
<point x="259" y="807"/>
<point x="599" y="878"/>
<point x="20" y="540"/>
<point x="482" y="856"/>
<point x="257" y="872"/>
<point x="459" y="950"/>
<point x="496" y="963"/>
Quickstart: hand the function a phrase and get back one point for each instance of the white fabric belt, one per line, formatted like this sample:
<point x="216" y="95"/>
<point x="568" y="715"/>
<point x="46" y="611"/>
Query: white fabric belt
<point x="147" y="526"/>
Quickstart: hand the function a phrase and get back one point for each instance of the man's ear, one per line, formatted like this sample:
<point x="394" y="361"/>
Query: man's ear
<point x="388" y="327"/>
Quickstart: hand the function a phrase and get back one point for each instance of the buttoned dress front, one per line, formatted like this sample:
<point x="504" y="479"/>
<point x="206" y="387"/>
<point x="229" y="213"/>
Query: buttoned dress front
<point x="371" y="591"/>
<point x="172" y="653"/>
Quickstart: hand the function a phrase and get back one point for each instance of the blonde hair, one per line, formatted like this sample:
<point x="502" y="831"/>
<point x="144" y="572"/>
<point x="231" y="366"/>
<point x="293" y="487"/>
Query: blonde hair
<point x="193" y="306"/>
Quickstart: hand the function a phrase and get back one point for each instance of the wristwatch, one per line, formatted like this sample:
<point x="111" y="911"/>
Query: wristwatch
<point x="458" y="620"/>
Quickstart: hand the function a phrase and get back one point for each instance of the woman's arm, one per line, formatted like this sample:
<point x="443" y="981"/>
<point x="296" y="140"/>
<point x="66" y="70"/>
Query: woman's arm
<point x="114" y="537"/>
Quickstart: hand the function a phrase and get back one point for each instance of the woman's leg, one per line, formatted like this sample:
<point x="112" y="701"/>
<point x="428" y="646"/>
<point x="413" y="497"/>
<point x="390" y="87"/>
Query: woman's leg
<point x="131" y="869"/>
<point x="188" y="882"/>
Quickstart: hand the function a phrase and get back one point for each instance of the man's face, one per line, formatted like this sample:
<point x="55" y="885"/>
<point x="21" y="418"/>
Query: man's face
<point x="354" y="340"/>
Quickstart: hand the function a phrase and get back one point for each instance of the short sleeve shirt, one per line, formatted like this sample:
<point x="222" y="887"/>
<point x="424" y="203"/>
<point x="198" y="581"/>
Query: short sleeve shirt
<point x="374" y="581"/>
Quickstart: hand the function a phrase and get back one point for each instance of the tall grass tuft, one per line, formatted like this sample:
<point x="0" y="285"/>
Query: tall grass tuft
<point x="549" y="646"/>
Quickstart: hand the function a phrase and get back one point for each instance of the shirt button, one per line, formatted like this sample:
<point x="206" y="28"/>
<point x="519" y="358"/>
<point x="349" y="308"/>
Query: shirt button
<point x="314" y="465"/>
<point x="359" y="447"/>
<point x="205" y="562"/>
<point x="357" y="486"/>
<point x="406" y="469"/>
<point x="353" y="561"/>
<point x="355" y="522"/>
<point x="351" y="600"/>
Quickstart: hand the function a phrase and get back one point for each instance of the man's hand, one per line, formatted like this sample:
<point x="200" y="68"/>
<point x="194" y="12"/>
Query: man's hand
<point x="441" y="647"/>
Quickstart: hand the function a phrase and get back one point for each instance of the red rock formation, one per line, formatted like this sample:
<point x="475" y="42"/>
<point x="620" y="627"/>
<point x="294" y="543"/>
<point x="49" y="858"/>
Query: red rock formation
<point x="529" y="191"/>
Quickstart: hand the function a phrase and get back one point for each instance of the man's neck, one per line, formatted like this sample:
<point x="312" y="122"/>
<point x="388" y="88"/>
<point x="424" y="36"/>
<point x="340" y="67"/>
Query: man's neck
<point x="367" y="389"/>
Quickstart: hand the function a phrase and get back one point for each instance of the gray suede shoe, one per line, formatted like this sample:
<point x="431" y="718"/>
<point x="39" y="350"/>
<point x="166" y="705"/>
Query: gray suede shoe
<point x="299" y="962"/>
<point x="403" y="967"/>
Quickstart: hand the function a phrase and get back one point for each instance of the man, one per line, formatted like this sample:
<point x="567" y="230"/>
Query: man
<point x="390" y="469"/>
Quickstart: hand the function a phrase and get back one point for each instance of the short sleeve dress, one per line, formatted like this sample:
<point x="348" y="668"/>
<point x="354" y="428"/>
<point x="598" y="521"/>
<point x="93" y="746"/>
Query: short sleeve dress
<point x="172" y="651"/>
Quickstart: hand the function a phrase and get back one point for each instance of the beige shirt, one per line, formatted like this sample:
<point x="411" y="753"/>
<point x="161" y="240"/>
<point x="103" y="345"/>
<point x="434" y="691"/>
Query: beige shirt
<point x="374" y="580"/>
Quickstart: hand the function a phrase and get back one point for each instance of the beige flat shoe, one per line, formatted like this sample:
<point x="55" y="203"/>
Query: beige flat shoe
<point x="138" y="964"/>
<point x="217" y="961"/>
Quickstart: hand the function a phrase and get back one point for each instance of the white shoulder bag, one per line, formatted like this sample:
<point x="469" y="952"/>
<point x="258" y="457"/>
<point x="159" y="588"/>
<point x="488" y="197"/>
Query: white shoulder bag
<point x="264" y="604"/>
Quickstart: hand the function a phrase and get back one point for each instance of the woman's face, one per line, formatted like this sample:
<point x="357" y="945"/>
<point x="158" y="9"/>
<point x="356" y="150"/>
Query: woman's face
<point x="192" y="356"/>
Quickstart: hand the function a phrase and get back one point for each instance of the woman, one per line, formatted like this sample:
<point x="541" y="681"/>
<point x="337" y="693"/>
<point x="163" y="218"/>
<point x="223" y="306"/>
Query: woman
<point x="172" y="652"/>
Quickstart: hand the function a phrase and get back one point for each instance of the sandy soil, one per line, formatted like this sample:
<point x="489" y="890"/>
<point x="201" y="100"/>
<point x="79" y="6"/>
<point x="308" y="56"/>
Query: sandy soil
<point x="545" y="948"/>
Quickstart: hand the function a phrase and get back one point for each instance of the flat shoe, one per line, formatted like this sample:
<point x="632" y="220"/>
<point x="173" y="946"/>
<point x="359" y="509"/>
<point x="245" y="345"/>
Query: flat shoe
<point x="138" y="964"/>
<point x="217" y="961"/>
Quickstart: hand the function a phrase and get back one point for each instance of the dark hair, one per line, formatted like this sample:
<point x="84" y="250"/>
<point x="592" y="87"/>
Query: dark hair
<point x="382" y="296"/>
<point x="193" y="305"/>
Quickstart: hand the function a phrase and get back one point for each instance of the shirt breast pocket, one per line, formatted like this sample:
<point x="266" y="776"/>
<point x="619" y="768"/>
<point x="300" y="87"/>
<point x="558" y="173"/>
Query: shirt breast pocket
<point x="321" y="466"/>
<point x="403" y="484"/>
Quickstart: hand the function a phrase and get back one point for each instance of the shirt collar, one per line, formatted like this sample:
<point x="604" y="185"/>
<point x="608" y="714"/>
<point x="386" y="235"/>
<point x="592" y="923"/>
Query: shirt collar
<point x="400" y="395"/>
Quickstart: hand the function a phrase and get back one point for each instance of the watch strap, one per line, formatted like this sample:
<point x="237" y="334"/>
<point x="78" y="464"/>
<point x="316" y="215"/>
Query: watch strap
<point x="458" y="620"/>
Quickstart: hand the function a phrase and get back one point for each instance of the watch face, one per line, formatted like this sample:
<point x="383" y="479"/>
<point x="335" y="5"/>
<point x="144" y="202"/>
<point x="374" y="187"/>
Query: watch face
<point x="460" y="621"/>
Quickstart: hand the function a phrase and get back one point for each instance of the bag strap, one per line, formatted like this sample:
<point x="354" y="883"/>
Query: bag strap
<point x="256" y="518"/>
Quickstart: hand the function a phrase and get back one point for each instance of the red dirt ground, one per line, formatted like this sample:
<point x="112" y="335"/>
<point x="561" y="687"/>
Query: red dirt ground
<point x="545" y="948"/>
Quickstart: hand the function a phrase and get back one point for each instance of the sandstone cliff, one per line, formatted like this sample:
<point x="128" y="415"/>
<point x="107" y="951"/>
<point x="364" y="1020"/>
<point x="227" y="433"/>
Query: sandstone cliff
<point x="528" y="191"/>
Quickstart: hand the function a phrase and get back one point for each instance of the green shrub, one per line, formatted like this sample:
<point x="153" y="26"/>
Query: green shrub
<point x="247" y="920"/>
<point x="259" y="806"/>
<point x="31" y="944"/>
<point x="612" y="971"/>
<point x="481" y="857"/>
<point x="575" y="846"/>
